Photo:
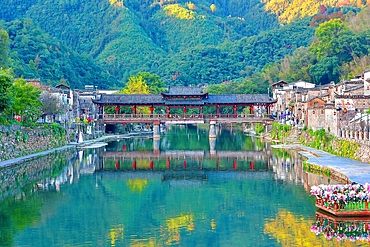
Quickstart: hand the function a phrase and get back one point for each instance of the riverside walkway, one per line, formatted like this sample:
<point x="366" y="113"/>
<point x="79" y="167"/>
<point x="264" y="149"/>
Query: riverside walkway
<point x="355" y="171"/>
<point x="10" y="162"/>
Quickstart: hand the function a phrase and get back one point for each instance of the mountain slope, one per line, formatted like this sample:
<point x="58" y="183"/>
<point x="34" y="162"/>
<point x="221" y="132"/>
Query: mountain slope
<point x="184" y="42"/>
<point x="35" y="54"/>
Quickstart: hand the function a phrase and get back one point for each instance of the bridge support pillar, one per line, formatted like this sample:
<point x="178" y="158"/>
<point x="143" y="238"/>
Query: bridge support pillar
<point x="156" y="144"/>
<point x="156" y="130"/>
<point x="212" y="146"/>
<point x="212" y="129"/>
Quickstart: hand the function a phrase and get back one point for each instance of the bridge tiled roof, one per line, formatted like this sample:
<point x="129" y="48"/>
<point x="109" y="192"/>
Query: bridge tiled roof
<point x="129" y="99"/>
<point x="156" y="99"/>
<point x="239" y="99"/>
<point x="184" y="102"/>
<point x="189" y="91"/>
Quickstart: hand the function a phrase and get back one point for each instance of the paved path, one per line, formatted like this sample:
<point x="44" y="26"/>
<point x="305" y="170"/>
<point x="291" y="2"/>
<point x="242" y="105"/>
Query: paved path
<point x="356" y="171"/>
<point x="6" y="163"/>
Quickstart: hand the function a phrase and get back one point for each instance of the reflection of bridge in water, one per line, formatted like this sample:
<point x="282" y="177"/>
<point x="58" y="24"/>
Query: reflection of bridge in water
<point x="192" y="177"/>
<point x="176" y="154"/>
<point x="182" y="160"/>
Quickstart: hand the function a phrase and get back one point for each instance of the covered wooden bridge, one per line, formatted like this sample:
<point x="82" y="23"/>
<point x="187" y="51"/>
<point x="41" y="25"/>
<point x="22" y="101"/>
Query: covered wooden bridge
<point x="185" y="98"/>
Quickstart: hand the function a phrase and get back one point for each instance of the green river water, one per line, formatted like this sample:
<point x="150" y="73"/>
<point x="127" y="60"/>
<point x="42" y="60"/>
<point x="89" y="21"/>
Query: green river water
<point x="181" y="190"/>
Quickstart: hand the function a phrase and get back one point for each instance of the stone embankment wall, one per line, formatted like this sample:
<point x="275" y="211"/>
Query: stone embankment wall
<point x="17" y="141"/>
<point x="14" y="177"/>
<point x="363" y="153"/>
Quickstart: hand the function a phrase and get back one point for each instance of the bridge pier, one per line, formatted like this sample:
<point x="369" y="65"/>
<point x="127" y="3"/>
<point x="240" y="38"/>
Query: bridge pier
<point x="212" y="129"/>
<point x="156" y="130"/>
<point x="156" y="145"/>
<point x="212" y="146"/>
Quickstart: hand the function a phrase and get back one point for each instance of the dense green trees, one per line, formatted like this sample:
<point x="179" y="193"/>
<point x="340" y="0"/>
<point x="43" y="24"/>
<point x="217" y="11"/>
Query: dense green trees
<point x="4" y="49"/>
<point x="6" y="81"/>
<point x="34" y="54"/>
<point x="106" y="42"/>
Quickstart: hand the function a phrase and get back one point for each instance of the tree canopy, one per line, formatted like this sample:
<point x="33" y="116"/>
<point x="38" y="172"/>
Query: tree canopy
<point x="135" y="85"/>
<point x="4" y="49"/>
<point x="26" y="101"/>
<point x="6" y="81"/>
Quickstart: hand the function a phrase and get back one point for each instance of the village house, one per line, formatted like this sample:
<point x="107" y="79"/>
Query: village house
<point x="339" y="109"/>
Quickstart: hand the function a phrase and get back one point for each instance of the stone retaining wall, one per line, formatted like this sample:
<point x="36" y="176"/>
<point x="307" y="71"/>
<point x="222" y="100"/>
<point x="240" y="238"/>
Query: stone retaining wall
<point x="17" y="141"/>
<point x="363" y="153"/>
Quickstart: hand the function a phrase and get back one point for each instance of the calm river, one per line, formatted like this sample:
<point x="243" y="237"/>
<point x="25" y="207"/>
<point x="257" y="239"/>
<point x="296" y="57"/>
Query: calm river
<point x="181" y="190"/>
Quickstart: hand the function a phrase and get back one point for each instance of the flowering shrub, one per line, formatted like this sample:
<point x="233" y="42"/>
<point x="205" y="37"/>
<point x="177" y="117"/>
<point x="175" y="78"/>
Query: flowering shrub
<point x="342" y="195"/>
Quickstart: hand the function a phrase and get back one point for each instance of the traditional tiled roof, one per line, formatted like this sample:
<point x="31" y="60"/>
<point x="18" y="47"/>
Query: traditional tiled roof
<point x="320" y="97"/>
<point x="63" y="86"/>
<point x="184" y="102"/>
<point x="239" y="99"/>
<point x="156" y="99"/>
<point x="189" y="91"/>
<point x="129" y="99"/>
<point x="357" y="81"/>
<point x="346" y="96"/>
<point x="279" y="82"/>
<point x="353" y="88"/>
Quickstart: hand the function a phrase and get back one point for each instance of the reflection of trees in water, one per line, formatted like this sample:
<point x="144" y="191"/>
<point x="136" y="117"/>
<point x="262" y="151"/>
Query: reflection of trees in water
<point x="288" y="166"/>
<point x="137" y="185"/>
<point x="28" y="172"/>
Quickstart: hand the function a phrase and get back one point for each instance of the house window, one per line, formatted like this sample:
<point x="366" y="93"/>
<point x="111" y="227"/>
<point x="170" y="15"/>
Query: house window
<point x="316" y="104"/>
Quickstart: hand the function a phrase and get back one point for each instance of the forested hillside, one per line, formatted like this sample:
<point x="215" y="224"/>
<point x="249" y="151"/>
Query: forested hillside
<point x="104" y="42"/>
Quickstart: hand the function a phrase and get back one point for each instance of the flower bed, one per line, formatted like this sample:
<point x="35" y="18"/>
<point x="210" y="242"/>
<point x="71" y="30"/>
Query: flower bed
<point x="343" y="200"/>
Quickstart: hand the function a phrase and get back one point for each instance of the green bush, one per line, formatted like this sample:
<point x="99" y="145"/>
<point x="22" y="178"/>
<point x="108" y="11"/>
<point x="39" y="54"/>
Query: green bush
<point x="259" y="128"/>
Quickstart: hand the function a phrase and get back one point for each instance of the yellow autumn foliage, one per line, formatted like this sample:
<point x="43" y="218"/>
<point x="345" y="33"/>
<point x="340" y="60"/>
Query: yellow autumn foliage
<point x="179" y="12"/>
<point x="213" y="7"/>
<point x="289" y="10"/>
<point x="190" y="5"/>
<point x="137" y="85"/>
<point x="116" y="3"/>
